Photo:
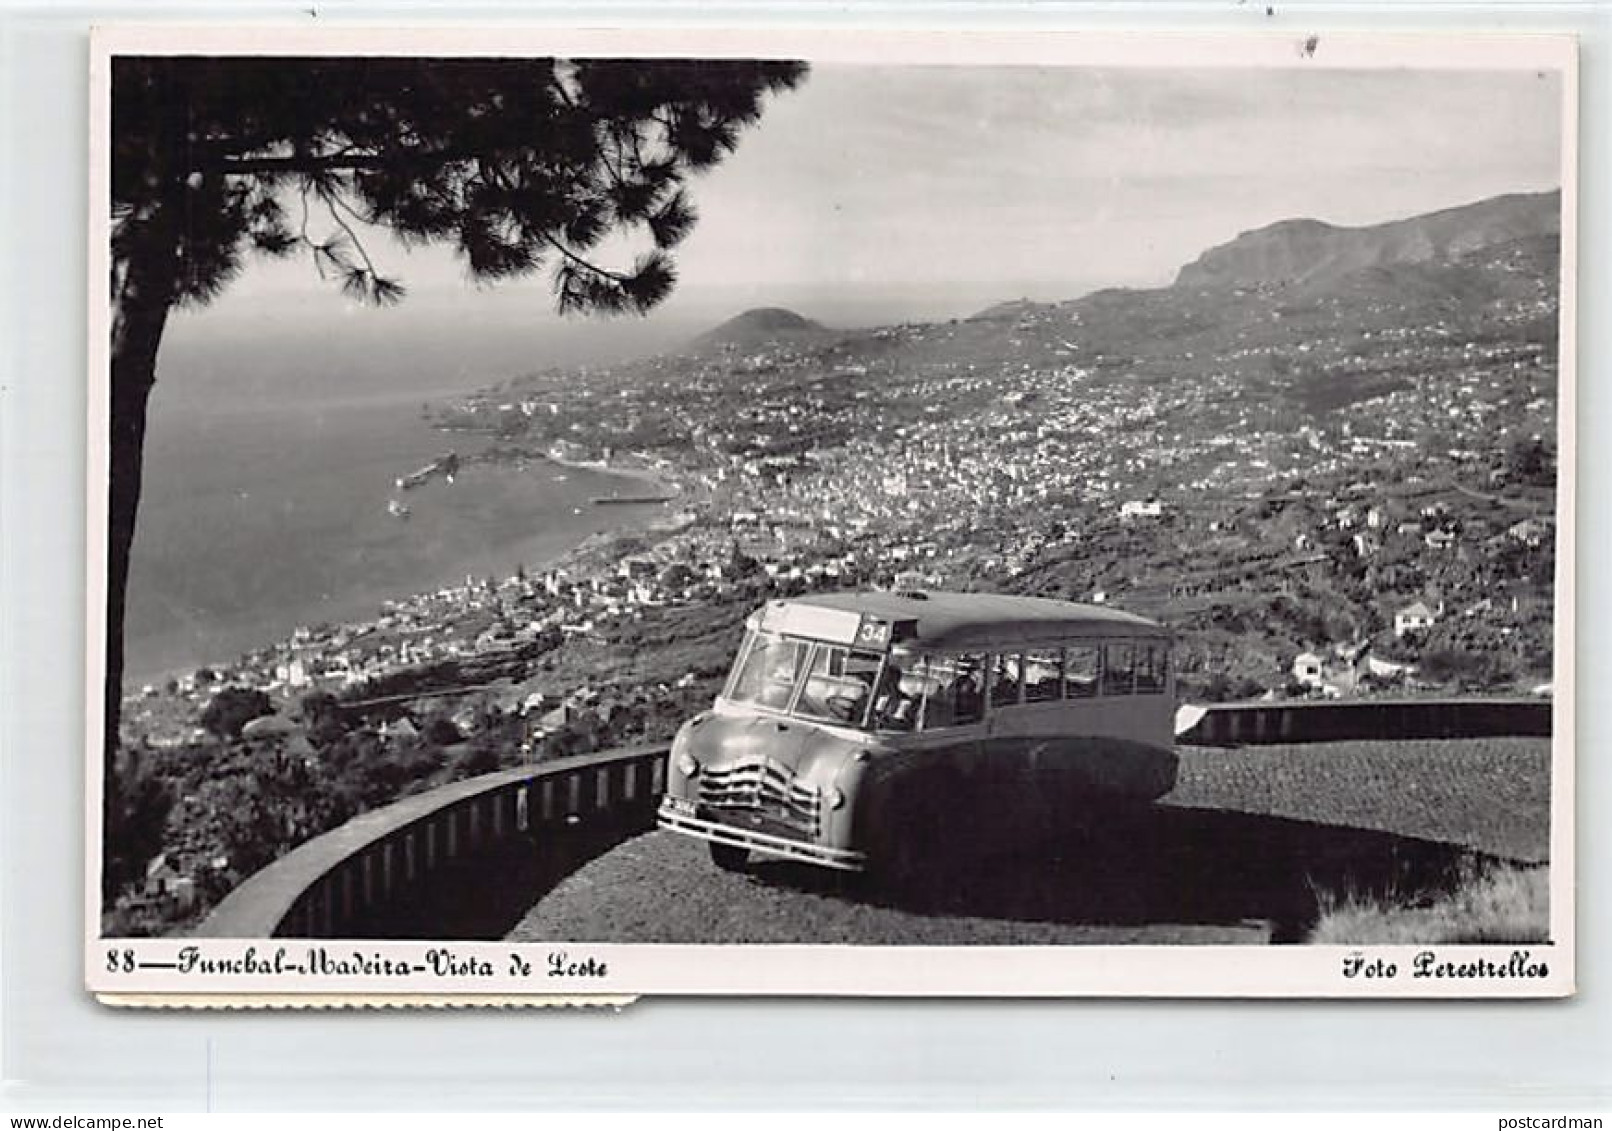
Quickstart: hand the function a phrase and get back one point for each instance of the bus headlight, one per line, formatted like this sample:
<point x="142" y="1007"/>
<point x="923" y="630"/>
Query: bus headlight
<point x="687" y="764"/>
<point x="834" y="798"/>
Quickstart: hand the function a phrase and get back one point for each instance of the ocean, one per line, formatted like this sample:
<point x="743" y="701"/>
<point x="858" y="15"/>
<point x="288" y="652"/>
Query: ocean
<point x="260" y="512"/>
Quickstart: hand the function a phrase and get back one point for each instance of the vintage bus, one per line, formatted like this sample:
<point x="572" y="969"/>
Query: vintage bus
<point x="857" y="731"/>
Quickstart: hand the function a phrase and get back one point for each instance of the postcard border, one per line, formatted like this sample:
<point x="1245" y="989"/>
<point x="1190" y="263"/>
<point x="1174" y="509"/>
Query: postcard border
<point x="951" y="971"/>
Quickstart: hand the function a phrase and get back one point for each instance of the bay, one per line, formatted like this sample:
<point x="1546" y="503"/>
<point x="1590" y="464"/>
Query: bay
<point x="258" y="516"/>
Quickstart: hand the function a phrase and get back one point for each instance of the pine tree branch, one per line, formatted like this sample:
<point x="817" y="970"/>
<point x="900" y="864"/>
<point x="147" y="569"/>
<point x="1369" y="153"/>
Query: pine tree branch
<point x="341" y="202"/>
<point x="330" y="206"/>
<point x="302" y="234"/>
<point x="594" y="268"/>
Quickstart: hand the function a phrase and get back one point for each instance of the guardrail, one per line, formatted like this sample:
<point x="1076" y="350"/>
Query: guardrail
<point x="422" y="867"/>
<point x="365" y="879"/>
<point x="1255" y="724"/>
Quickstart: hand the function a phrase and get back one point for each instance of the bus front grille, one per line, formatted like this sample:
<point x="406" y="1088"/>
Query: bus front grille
<point x="765" y="789"/>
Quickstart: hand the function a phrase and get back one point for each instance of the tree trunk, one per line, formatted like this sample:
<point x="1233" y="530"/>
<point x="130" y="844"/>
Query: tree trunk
<point x="141" y="299"/>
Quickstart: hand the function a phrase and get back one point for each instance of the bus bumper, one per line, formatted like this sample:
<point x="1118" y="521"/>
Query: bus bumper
<point x="678" y="821"/>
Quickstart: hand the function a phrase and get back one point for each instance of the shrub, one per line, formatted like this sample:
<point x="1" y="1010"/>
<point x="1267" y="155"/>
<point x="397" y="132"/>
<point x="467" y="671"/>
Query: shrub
<point x="473" y="759"/>
<point x="137" y="823"/>
<point x="232" y="708"/>
<point x="441" y="731"/>
<point x="1456" y="665"/>
<point x="1488" y="904"/>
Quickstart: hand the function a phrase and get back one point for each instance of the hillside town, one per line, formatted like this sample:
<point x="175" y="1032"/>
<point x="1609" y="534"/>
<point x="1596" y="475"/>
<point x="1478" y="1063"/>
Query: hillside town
<point x="1327" y="492"/>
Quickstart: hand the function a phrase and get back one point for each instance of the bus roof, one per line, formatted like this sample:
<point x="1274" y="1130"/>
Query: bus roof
<point x="944" y="621"/>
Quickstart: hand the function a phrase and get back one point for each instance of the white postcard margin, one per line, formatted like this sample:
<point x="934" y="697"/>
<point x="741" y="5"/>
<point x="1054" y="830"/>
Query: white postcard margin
<point x="241" y="973"/>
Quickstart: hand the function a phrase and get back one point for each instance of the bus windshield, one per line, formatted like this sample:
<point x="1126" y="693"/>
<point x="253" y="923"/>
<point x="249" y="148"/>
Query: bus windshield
<point x="836" y="683"/>
<point x="767" y="670"/>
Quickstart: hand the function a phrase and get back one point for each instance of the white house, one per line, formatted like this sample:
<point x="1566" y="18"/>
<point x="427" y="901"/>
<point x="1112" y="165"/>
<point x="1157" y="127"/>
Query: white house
<point x="1530" y="532"/>
<point x="1307" y="669"/>
<point x="1385" y="669"/>
<point x="163" y="881"/>
<point x="293" y="673"/>
<point x="1413" y="618"/>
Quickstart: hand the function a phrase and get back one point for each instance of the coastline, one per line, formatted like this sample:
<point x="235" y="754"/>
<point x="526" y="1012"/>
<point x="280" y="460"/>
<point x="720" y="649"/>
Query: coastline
<point x="365" y="602"/>
<point x="655" y="480"/>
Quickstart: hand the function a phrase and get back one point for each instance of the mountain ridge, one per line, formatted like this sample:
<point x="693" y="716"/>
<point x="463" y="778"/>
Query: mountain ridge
<point x="1306" y="250"/>
<point x="1297" y="253"/>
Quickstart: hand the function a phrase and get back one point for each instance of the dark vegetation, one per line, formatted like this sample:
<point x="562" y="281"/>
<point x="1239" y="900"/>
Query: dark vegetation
<point x="518" y="165"/>
<point x="232" y="708"/>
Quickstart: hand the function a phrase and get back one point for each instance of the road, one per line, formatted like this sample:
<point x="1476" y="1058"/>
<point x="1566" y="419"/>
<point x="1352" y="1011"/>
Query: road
<point x="1241" y="851"/>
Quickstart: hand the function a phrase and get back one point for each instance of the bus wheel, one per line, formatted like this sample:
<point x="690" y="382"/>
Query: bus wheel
<point x="730" y="858"/>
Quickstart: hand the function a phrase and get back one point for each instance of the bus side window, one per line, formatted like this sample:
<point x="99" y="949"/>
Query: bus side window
<point x="968" y="699"/>
<point x="1042" y="675"/>
<point x="1082" y="666"/>
<point x="1150" y="661"/>
<point x="1118" y="668"/>
<point x="910" y="698"/>
<point x="897" y="695"/>
<point x="1006" y="678"/>
<point x="930" y="681"/>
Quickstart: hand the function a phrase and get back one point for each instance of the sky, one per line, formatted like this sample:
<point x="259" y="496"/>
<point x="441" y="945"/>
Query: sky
<point x="1048" y="174"/>
<point x="879" y="193"/>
